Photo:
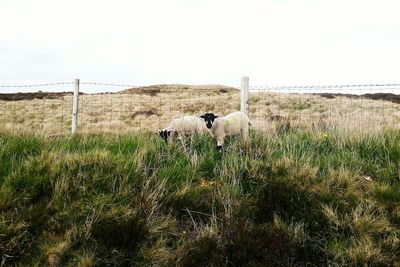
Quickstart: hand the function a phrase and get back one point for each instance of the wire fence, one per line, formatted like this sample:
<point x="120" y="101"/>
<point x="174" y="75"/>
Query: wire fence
<point x="367" y="107"/>
<point x="133" y="108"/>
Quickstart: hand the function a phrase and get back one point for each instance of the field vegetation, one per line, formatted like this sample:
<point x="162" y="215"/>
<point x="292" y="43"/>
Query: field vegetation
<point x="317" y="184"/>
<point x="292" y="197"/>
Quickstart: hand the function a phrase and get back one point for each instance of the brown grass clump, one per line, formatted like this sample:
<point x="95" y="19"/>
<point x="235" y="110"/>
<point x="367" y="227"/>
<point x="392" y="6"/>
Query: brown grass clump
<point x="144" y="112"/>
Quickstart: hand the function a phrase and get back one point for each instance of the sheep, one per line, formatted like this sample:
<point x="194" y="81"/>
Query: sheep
<point x="187" y="125"/>
<point x="231" y="124"/>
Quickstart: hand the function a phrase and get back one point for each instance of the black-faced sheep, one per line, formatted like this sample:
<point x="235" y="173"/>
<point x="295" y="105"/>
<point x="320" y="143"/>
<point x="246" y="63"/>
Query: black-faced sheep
<point x="187" y="125"/>
<point x="232" y="124"/>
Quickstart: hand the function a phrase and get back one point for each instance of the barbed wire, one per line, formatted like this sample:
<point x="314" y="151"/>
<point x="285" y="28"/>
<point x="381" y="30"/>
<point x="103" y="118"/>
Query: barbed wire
<point x="356" y="86"/>
<point x="34" y="85"/>
<point x="109" y="84"/>
<point x="62" y="83"/>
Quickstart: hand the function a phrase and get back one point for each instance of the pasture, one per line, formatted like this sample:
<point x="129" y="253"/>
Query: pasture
<point x="321" y="191"/>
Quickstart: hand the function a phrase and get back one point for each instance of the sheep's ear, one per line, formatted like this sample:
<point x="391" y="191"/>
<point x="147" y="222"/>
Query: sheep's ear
<point x="202" y="116"/>
<point x="216" y="117"/>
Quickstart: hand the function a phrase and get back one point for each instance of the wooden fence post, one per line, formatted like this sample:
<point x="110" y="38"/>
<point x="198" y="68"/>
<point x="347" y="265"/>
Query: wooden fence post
<point x="75" y="107"/>
<point x="244" y="95"/>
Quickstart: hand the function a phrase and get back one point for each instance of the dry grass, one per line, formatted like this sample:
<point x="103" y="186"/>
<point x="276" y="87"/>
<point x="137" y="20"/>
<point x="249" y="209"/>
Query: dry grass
<point x="151" y="108"/>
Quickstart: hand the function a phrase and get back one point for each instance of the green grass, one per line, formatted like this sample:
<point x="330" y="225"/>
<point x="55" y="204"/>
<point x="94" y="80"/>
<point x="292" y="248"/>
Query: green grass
<point x="293" y="198"/>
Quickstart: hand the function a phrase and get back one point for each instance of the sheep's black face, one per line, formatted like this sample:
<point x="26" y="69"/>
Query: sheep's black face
<point x="164" y="134"/>
<point x="209" y="119"/>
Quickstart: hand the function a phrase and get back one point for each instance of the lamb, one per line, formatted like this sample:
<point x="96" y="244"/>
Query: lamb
<point x="232" y="124"/>
<point x="187" y="125"/>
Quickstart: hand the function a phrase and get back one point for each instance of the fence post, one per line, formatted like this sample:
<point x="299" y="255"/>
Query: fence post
<point x="75" y="105"/>
<point x="244" y="95"/>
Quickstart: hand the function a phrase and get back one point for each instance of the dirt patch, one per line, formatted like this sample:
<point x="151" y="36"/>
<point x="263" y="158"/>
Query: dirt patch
<point x="30" y="96"/>
<point x="377" y="96"/>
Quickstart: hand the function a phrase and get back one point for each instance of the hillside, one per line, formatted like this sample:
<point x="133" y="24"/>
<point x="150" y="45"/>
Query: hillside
<point x="176" y="88"/>
<point x="285" y="198"/>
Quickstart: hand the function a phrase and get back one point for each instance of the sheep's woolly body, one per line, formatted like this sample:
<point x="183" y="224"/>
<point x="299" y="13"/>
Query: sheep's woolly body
<point x="232" y="124"/>
<point x="187" y="125"/>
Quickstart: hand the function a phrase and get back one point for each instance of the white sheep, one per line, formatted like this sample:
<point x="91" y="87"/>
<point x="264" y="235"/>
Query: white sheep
<point x="187" y="125"/>
<point x="232" y="124"/>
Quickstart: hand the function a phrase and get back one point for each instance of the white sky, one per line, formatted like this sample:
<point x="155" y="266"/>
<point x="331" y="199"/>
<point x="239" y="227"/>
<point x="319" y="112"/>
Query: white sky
<point x="275" y="42"/>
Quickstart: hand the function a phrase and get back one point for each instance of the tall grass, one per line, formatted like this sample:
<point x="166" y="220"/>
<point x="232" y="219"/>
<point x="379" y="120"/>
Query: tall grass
<point x="286" y="198"/>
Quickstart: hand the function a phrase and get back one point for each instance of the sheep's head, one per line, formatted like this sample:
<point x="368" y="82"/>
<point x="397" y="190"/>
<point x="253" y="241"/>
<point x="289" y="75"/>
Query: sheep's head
<point x="209" y="119"/>
<point x="165" y="134"/>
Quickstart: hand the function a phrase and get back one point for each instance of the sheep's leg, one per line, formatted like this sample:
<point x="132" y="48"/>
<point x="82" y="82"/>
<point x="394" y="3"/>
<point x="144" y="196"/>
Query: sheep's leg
<point x="220" y="143"/>
<point x="181" y="138"/>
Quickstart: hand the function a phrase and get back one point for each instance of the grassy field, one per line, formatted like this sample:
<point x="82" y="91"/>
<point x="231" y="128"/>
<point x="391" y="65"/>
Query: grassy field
<point x="152" y="108"/>
<point x="286" y="198"/>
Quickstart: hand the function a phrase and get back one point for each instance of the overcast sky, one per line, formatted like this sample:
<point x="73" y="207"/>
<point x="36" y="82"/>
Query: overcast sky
<point x="275" y="42"/>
